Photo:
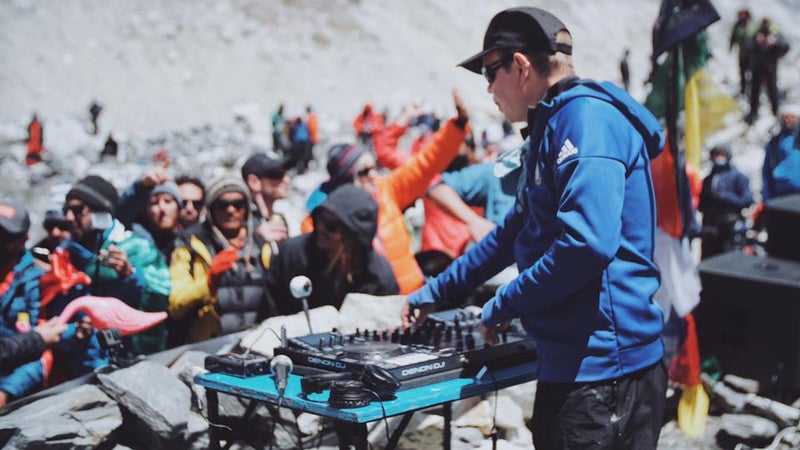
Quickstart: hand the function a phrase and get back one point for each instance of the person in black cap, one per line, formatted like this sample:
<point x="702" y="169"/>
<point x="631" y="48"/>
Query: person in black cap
<point x="268" y="181"/>
<point x="581" y="233"/>
<point x="19" y="296"/>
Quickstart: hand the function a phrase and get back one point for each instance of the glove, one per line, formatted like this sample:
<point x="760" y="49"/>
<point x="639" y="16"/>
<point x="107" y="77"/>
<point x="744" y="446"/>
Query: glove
<point x="62" y="277"/>
<point x="222" y="262"/>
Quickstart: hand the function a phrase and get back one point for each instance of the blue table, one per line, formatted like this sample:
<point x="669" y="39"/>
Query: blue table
<point x="262" y="389"/>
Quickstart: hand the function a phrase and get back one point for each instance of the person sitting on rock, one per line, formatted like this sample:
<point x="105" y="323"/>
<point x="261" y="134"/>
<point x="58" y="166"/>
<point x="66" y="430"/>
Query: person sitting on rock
<point x="337" y="256"/>
<point x="218" y="276"/>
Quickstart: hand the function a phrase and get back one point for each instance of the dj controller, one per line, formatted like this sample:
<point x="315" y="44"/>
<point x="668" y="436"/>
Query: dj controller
<point x="447" y="345"/>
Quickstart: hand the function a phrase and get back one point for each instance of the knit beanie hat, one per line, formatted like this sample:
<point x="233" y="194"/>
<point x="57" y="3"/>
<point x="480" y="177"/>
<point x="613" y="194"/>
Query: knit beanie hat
<point x="341" y="162"/>
<point x="223" y="184"/>
<point x="96" y="192"/>
<point x="168" y="187"/>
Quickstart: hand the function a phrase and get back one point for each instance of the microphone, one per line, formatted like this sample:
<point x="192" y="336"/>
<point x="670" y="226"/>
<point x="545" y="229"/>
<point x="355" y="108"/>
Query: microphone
<point x="281" y="366"/>
<point x="301" y="288"/>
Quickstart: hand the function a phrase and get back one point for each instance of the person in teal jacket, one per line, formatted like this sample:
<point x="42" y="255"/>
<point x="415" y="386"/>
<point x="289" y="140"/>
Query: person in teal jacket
<point x="120" y="264"/>
<point x="581" y="233"/>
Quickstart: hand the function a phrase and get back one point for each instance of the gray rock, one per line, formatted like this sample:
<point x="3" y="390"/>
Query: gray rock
<point x="468" y="435"/>
<point x="150" y="392"/>
<point x="197" y="432"/>
<point x="747" y="429"/>
<point x="741" y="384"/>
<point x="188" y="365"/>
<point x="731" y="400"/>
<point x="81" y="418"/>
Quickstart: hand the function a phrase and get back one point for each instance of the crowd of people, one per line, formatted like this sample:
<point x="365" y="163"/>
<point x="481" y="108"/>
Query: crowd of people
<point x="573" y="208"/>
<point x="216" y="255"/>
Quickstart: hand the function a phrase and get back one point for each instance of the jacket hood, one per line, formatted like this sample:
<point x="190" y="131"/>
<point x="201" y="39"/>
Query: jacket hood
<point x="639" y="116"/>
<point x="356" y="209"/>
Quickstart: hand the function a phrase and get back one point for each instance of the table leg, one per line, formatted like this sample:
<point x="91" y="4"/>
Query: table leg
<point x="352" y="433"/>
<point x="212" y="403"/>
<point x="447" y="432"/>
<point x="399" y="431"/>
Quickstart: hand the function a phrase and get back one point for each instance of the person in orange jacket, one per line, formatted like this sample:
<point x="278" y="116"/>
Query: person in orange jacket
<point x="366" y="124"/>
<point x="35" y="141"/>
<point x="442" y="233"/>
<point x="394" y="192"/>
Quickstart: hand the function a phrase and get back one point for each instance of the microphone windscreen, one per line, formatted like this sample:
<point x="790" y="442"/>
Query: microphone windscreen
<point x="281" y="360"/>
<point x="300" y="286"/>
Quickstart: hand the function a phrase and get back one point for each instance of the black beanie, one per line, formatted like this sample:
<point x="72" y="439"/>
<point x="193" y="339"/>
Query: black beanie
<point x="96" y="192"/>
<point x="341" y="159"/>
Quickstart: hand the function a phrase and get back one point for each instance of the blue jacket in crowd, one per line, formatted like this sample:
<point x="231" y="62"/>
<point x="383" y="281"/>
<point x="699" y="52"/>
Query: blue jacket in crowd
<point x="781" y="170"/>
<point x="726" y="192"/>
<point x="22" y="296"/>
<point x="477" y="186"/>
<point x="582" y="236"/>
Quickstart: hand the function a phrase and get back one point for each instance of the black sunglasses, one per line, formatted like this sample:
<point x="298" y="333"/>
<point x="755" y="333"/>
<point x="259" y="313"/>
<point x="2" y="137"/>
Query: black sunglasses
<point x="77" y="209"/>
<point x="365" y="171"/>
<point x="222" y="205"/>
<point x="490" y="71"/>
<point x="197" y="204"/>
<point x="331" y="225"/>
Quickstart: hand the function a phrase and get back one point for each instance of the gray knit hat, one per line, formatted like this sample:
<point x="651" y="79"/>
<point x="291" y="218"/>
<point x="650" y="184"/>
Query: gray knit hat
<point x="168" y="187"/>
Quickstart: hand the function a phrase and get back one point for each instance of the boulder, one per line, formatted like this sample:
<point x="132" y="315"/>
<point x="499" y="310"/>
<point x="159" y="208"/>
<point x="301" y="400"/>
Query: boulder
<point x="150" y="392"/>
<point x="80" y="418"/>
<point x="368" y="311"/>
<point x="747" y="429"/>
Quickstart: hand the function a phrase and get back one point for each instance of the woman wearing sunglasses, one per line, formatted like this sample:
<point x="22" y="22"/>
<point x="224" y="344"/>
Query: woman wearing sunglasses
<point x="218" y="277"/>
<point x="337" y="256"/>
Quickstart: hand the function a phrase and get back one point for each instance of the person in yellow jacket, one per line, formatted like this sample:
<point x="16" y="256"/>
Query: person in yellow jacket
<point x="218" y="275"/>
<point x="394" y="192"/>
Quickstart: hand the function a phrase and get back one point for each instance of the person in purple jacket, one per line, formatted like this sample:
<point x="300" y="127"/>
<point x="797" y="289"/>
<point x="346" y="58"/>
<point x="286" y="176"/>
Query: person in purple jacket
<point x="581" y="233"/>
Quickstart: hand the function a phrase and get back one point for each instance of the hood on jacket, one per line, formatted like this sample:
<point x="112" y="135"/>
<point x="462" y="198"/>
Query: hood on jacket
<point x="639" y="116"/>
<point x="356" y="209"/>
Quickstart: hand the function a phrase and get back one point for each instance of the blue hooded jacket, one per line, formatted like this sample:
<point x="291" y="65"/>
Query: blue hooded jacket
<point x="582" y="236"/>
<point x="22" y="296"/>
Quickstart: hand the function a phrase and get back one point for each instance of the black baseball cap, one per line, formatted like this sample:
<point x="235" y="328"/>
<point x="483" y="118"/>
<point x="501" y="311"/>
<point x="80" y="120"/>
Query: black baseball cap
<point x="261" y="165"/>
<point x="523" y="28"/>
<point x="14" y="218"/>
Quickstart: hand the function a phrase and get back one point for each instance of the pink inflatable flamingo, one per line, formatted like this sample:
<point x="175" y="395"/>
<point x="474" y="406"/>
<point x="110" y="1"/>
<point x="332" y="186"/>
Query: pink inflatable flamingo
<point x="110" y="312"/>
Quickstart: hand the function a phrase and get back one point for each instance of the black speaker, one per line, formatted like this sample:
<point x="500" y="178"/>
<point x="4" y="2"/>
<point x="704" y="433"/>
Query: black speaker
<point x="782" y="219"/>
<point x="749" y="317"/>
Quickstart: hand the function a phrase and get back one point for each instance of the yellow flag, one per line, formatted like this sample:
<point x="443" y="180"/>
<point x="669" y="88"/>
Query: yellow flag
<point x="705" y="106"/>
<point x="693" y="411"/>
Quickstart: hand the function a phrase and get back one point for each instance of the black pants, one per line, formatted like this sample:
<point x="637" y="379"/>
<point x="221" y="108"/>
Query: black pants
<point x="625" y="413"/>
<point x="763" y="75"/>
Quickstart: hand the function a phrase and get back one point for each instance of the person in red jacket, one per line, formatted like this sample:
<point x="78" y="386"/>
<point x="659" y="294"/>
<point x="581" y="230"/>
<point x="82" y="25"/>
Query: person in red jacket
<point x="366" y="124"/>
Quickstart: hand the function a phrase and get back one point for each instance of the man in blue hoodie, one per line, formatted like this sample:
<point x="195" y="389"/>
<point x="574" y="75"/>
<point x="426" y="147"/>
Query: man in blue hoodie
<point x="581" y="233"/>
